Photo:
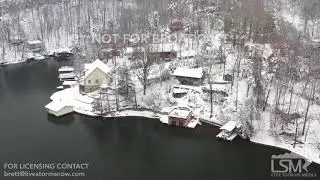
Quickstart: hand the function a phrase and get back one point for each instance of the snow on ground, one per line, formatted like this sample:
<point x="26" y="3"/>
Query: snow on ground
<point x="293" y="16"/>
<point x="310" y="148"/>
<point x="83" y="104"/>
<point x="158" y="96"/>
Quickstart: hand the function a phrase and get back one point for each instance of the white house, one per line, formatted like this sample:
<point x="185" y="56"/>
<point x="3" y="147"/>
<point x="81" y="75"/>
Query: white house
<point x="96" y="74"/>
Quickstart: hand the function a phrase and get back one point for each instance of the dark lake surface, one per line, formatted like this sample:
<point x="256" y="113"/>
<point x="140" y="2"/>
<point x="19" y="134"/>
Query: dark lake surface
<point x="116" y="149"/>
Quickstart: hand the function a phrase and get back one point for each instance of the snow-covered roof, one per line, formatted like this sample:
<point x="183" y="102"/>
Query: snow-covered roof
<point x="69" y="83"/>
<point x="218" y="87"/>
<point x="57" y="105"/>
<point x="63" y="50"/>
<point x="66" y="69"/>
<point x="180" y="113"/>
<point x="187" y="72"/>
<point x="189" y="88"/>
<point x="67" y="75"/>
<point x="87" y="67"/>
<point x="178" y="90"/>
<point x="229" y="126"/>
<point x="97" y="64"/>
<point x="35" y="42"/>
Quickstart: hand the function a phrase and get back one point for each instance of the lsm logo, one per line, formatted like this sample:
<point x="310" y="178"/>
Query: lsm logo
<point x="290" y="165"/>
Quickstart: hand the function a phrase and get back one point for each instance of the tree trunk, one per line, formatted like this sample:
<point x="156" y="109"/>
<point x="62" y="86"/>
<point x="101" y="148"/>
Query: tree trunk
<point x="211" y="99"/>
<point x="296" y="134"/>
<point x="266" y="101"/>
<point x="308" y="107"/>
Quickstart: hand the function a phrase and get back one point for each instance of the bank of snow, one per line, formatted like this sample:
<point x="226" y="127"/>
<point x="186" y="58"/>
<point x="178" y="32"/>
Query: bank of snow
<point x="269" y="132"/>
<point x="83" y="104"/>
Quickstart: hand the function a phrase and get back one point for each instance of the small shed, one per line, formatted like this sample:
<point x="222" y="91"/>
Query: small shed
<point x="180" y="117"/>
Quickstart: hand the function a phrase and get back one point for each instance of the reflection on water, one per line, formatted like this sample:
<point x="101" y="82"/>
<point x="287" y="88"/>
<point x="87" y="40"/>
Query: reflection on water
<point x="66" y="120"/>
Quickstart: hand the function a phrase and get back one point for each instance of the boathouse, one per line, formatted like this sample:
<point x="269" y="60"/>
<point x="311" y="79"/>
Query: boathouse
<point x="59" y="108"/>
<point x="188" y="76"/>
<point x="229" y="131"/>
<point x="180" y="117"/>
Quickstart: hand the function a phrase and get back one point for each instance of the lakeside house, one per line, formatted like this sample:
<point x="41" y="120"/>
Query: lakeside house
<point x="188" y="76"/>
<point x="95" y="75"/>
<point x="163" y="51"/>
<point x="180" y="117"/>
<point x="35" y="46"/>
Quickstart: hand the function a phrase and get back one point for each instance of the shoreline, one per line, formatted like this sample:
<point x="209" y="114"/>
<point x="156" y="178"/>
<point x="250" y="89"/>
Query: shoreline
<point x="46" y="55"/>
<point x="12" y="63"/>
<point x="126" y="113"/>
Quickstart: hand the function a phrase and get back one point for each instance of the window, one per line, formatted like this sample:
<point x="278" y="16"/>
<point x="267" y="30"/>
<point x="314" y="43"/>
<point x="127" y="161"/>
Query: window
<point x="97" y="81"/>
<point x="180" y="123"/>
<point x="89" y="81"/>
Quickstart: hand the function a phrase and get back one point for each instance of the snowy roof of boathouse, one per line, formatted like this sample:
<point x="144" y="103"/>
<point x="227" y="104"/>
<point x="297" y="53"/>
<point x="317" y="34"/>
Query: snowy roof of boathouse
<point x="34" y="42"/>
<point x="57" y="105"/>
<point x="180" y="113"/>
<point x="229" y="126"/>
<point x="187" y="72"/>
<point x="68" y="83"/>
<point x="97" y="64"/>
<point x="66" y="68"/>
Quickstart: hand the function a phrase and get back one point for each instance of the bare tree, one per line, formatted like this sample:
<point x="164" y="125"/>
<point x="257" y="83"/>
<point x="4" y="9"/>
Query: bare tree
<point x="145" y="59"/>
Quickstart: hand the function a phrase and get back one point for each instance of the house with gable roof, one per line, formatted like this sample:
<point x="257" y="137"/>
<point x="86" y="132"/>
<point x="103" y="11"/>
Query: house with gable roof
<point x="95" y="75"/>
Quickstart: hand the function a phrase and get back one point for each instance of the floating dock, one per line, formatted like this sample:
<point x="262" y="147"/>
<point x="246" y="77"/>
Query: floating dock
<point x="66" y="69"/>
<point x="67" y="77"/>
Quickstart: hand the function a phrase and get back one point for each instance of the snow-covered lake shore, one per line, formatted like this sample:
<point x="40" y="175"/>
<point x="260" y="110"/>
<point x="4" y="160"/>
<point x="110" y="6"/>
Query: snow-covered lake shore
<point x="82" y="105"/>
